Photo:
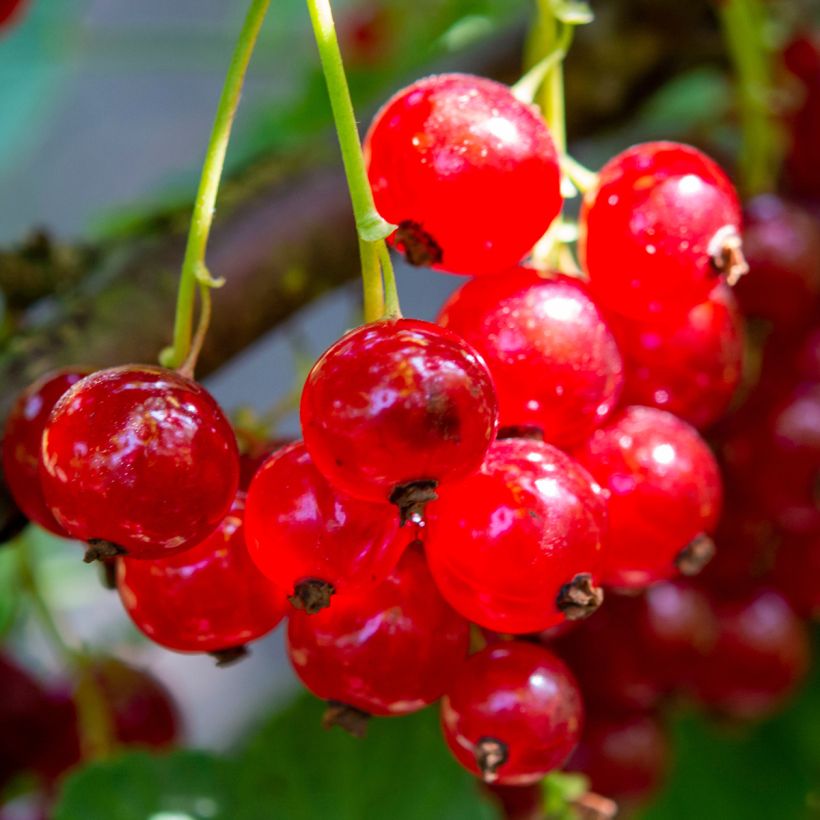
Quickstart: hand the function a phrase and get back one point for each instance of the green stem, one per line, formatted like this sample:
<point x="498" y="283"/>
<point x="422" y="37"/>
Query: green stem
<point x="744" y="31"/>
<point x="372" y="285"/>
<point x="194" y="270"/>
<point x="392" y="309"/>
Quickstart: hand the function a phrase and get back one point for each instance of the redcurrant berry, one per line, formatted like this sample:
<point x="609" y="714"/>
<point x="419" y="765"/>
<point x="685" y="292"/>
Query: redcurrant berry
<point x="659" y="228"/>
<point x="394" y="408"/>
<point x="141" y="458"/>
<point x="553" y="360"/>
<point x="390" y="651"/>
<point x="516" y="547"/>
<point x="664" y="495"/>
<point x="22" y="443"/>
<point x="689" y="364"/>
<point x="447" y="158"/>
<point x="311" y="539"/>
<point x="9" y="11"/>
<point x="795" y="574"/>
<point x="211" y="598"/>
<point x="802" y="170"/>
<point x="513" y="713"/>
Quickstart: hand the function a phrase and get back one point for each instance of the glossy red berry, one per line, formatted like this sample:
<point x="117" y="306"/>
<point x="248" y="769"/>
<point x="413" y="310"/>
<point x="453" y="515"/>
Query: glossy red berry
<point x="211" y="598"/>
<point x="759" y="658"/>
<point x="664" y="495"/>
<point x="513" y="714"/>
<point x="397" y="407"/>
<point x="516" y="547"/>
<point x="658" y="230"/>
<point x="390" y="651"/>
<point x="625" y="756"/>
<point x="689" y="364"/>
<point x="311" y="539"/>
<point x="448" y="158"/>
<point x="554" y="362"/>
<point x="140" y="457"/>
<point x="22" y="443"/>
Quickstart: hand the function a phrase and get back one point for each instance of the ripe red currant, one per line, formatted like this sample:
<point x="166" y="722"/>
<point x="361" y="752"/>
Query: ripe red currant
<point x="513" y="714"/>
<point x="553" y="360"/>
<point x="396" y="407"/>
<point x="141" y="458"/>
<point x="517" y="546"/>
<point x="689" y="364"/>
<point x="211" y="598"/>
<point x="795" y="574"/>
<point x="390" y="651"/>
<point x="22" y="443"/>
<point x="9" y="11"/>
<point x="448" y="157"/>
<point x="311" y="539"/>
<point x="659" y="228"/>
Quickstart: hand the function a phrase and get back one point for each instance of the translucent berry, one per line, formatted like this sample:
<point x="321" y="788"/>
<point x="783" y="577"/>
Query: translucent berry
<point x="660" y="228"/>
<point x="554" y="362"/>
<point x="141" y="459"/>
<point x="516" y="547"/>
<point x="689" y="363"/>
<point x="311" y="539"/>
<point x="22" y="443"/>
<point x="394" y="408"/>
<point x="210" y="598"/>
<point x="664" y="495"/>
<point x="391" y="651"/>
<point x="513" y="714"/>
<point x="448" y="158"/>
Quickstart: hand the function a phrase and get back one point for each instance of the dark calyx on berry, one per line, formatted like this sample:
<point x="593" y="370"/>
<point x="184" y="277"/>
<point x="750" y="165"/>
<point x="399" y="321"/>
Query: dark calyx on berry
<point x="352" y="720"/>
<point x="312" y="595"/>
<point x="100" y="549"/>
<point x="412" y="498"/>
<point x="230" y="656"/>
<point x="579" y="598"/>
<point x="726" y="250"/>
<point x="108" y="573"/>
<point x="490" y="754"/>
<point x="695" y="555"/>
<point x="521" y="431"/>
<point x="419" y="247"/>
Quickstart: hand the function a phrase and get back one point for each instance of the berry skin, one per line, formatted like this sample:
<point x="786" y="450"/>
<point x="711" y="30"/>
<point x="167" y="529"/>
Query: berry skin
<point x="513" y="714"/>
<point x="140" y="457"/>
<point x="211" y="598"/>
<point x="390" y="651"/>
<point x="448" y="157"/>
<point x="689" y="364"/>
<point x="759" y="658"/>
<point x="397" y="404"/>
<point x="660" y="227"/>
<point x="22" y="443"/>
<point x="9" y="11"/>
<point x="311" y="539"/>
<point x="664" y="495"/>
<point x="516" y="547"/>
<point x="554" y="362"/>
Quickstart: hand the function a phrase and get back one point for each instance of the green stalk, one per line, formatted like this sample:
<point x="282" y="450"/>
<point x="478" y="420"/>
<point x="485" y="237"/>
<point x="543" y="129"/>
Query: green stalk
<point x="194" y="270"/>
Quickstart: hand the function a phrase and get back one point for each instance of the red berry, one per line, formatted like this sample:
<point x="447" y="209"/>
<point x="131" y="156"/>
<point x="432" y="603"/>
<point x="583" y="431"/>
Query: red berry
<point x="513" y="714"/>
<point x="517" y="802"/>
<point x="802" y="170"/>
<point x="22" y="443"/>
<point x="255" y="456"/>
<point x="450" y="158"/>
<point x="211" y="598"/>
<point x="795" y="573"/>
<point x="311" y="539"/>
<point x="140" y="457"/>
<point x="390" y="651"/>
<point x="664" y="495"/>
<point x="760" y="656"/>
<point x="9" y="11"/>
<point x="553" y="360"/>
<point x="662" y="224"/>
<point x="623" y="755"/>
<point x="516" y="547"/>
<point x="689" y="364"/>
<point x="397" y="407"/>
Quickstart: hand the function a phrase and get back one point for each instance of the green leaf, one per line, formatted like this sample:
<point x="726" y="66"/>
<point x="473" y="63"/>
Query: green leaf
<point x="9" y="588"/>
<point x="572" y="12"/>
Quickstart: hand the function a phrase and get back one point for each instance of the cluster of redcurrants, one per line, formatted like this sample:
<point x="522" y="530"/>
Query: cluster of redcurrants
<point x="495" y="469"/>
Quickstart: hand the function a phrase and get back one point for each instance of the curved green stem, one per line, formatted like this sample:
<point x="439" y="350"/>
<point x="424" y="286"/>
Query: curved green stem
<point x="392" y="309"/>
<point x="194" y="270"/>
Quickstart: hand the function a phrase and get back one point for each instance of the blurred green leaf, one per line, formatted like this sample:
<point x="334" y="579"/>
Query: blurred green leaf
<point x="9" y="588"/>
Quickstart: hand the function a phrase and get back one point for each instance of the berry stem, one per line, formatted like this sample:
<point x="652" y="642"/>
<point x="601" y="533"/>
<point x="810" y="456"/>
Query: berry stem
<point x="744" y="30"/>
<point x="372" y="229"/>
<point x="194" y="270"/>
